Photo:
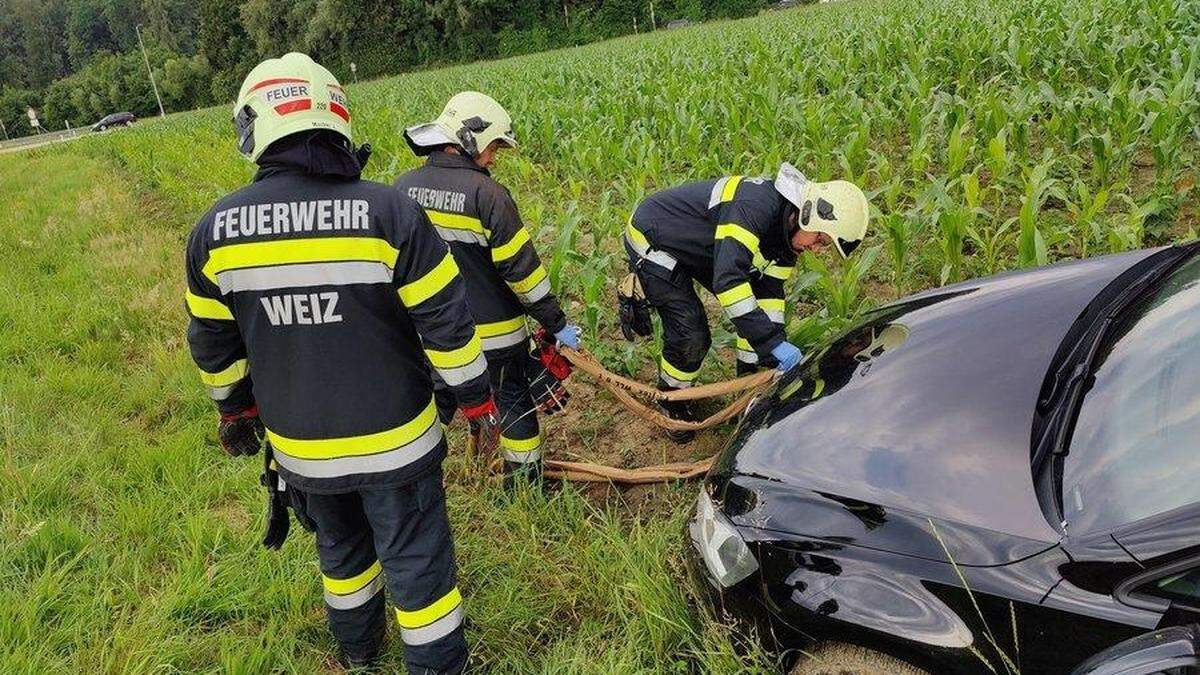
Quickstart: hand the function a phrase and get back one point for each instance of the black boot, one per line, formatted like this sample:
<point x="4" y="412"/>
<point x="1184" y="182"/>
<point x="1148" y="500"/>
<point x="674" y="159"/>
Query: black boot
<point x="684" y="411"/>
<point x="529" y="473"/>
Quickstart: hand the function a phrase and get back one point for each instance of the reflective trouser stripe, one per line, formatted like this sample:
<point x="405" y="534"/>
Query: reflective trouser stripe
<point x="522" y="450"/>
<point x="355" y="591"/>
<point x="503" y="334"/>
<point x="675" y="377"/>
<point x="433" y="622"/>
<point x="641" y="246"/>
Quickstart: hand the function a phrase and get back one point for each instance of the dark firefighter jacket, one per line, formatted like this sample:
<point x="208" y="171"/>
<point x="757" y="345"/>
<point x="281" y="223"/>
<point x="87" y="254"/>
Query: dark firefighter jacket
<point x="478" y="218"/>
<point x="730" y="235"/>
<point x="323" y="300"/>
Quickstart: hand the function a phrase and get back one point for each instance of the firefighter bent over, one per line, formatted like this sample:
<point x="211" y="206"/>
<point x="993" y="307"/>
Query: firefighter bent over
<point x="504" y="277"/>
<point x="317" y="301"/>
<point x="739" y="239"/>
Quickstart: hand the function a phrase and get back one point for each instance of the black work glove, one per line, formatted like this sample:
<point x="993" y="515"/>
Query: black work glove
<point x="241" y="433"/>
<point x="278" y="522"/>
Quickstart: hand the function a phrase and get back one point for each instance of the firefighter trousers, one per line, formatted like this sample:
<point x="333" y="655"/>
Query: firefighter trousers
<point x="398" y="537"/>
<point x="521" y="436"/>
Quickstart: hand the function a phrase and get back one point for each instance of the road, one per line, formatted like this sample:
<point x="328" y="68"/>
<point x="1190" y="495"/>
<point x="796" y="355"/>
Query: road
<point x="28" y="142"/>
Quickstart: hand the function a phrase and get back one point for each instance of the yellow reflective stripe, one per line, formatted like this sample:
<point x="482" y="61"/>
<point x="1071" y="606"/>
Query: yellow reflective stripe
<point x="636" y="235"/>
<point x="502" y="253"/>
<point x="456" y="358"/>
<point x="293" y="251"/>
<point x="521" y="444"/>
<point x="455" y="221"/>
<point x="353" y="584"/>
<point x="423" y="617"/>
<point x="413" y="294"/>
<point x="525" y="285"/>
<point x="731" y="187"/>
<point x="207" y="308"/>
<point x="676" y="373"/>
<point x="779" y="272"/>
<point x="735" y="294"/>
<point x="741" y="234"/>
<point x="498" y="328"/>
<point x="350" y="446"/>
<point x="224" y="378"/>
<point x="772" y="304"/>
<point x="744" y="344"/>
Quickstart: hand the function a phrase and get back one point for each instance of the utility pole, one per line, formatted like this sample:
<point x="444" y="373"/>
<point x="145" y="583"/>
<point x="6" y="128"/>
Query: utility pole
<point x="354" y="71"/>
<point x="653" y="23"/>
<point x="138" y="29"/>
<point x="4" y="129"/>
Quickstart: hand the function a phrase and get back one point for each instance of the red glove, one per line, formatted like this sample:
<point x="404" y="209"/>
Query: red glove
<point x="484" y="421"/>
<point x="241" y="433"/>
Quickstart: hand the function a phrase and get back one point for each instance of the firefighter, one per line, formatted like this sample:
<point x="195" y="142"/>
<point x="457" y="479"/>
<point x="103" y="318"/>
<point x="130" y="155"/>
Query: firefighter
<point x="505" y="279"/>
<point x="738" y="238"/>
<point x="317" y="302"/>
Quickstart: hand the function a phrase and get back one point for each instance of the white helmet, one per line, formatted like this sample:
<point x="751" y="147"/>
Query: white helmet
<point x="286" y="96"/>
<point x="470" y="120"/>
<point x="837" y="208"/>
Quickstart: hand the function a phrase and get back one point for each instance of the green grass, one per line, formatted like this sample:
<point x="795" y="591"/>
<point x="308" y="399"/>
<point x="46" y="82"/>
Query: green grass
<point x="991" y="134"/>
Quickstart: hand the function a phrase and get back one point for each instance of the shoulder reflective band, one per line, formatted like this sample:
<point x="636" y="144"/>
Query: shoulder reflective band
<point x="738" y="301"/>
<point x="724" y="191"/>
<point x="742" y="235"/>
<point x="295" y="251"/>
<point x="432" y="622"/>
<point x="207" y="308"/>
<point x="429" y="285"/>
<point x="522" y="451"/>
<point x="458" y="366"/>
<point x="676" y="377"/>
<point x="513" y="247"/>
<point x="355" y="591"/>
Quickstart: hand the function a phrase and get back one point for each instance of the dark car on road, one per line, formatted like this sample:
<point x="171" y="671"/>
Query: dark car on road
<point x="121" y="119"/>
<point x="997" y="476"/>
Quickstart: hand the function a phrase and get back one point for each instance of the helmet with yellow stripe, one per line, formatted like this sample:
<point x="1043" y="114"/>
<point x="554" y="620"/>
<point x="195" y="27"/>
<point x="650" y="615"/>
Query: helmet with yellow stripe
<point x="286" y="96"/>
<point x="837" y="208"/>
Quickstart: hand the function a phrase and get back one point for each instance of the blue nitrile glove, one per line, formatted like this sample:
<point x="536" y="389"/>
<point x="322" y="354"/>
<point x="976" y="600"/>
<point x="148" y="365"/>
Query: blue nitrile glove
<point x="788" y="355"/>
<point x="569" y="336"/>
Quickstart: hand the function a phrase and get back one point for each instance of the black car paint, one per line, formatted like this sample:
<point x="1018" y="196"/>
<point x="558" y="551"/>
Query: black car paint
<point x="874" y="491"/>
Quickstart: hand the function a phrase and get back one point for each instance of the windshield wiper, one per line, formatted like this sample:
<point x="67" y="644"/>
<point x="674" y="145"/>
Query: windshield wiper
<point x="1053" y="443"/>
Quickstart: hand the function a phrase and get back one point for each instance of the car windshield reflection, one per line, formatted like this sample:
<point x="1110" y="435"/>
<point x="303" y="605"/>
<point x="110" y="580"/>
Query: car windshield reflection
<point x="1134" y="451"/>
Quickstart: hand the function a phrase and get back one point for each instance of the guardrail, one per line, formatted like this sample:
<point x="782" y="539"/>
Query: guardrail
<point x="36" y="140"/>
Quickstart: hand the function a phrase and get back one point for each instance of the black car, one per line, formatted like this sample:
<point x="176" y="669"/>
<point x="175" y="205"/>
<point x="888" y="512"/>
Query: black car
<point x="997" y="476"/>
<point x="121" y="119"/>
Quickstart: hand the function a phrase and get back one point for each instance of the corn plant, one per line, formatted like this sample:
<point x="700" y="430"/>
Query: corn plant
<point x="1031" y="243"/>
<point x="1086" y="208"/>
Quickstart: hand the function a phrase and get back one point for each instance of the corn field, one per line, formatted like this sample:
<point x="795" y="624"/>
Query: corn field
<point x="989" y="134"/>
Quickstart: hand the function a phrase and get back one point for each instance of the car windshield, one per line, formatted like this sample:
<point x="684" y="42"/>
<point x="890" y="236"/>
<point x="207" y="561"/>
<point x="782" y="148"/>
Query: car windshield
<point x="1135" y="452"/>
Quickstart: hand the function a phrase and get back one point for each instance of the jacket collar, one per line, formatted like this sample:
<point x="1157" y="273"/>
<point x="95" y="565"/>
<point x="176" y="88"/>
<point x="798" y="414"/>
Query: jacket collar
<point x="446" y="160"/>
<point x="314" y="153"/>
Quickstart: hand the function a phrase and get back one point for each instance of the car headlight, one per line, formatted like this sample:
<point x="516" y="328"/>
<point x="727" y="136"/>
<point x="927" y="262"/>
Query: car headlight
<point x="725" y="554"/>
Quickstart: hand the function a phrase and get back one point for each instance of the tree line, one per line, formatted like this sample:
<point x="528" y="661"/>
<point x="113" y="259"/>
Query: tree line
<point x="78" y="60"/>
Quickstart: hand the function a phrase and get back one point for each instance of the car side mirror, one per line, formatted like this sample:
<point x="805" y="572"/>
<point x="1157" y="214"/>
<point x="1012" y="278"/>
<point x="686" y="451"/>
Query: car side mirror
<point x="1170" y="651"/>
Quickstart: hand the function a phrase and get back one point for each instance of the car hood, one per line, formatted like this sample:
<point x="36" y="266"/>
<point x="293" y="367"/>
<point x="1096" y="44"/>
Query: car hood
<point x="920" y="415"/>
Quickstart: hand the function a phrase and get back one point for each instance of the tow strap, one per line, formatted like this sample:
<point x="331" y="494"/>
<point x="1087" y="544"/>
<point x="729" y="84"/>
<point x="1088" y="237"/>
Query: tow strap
<point x="626" y="391"/>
